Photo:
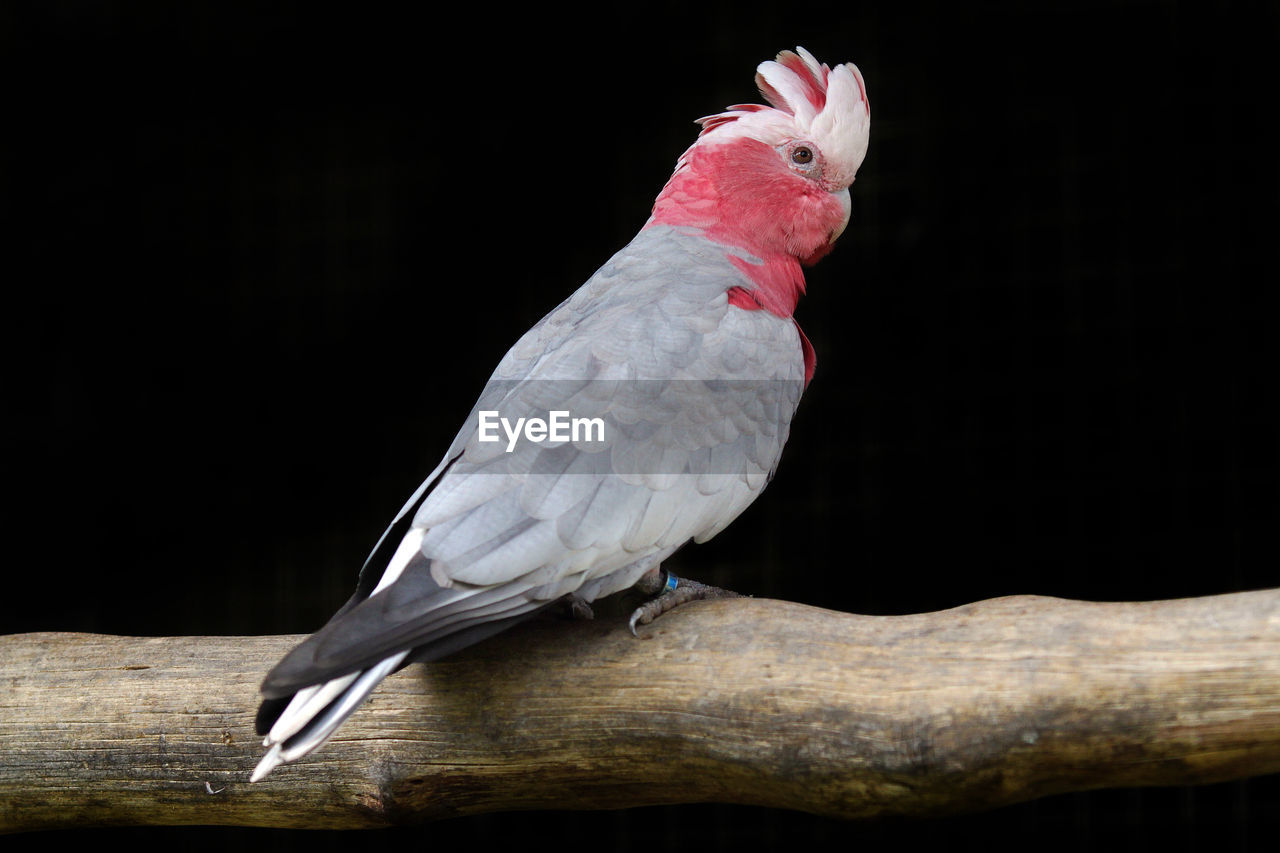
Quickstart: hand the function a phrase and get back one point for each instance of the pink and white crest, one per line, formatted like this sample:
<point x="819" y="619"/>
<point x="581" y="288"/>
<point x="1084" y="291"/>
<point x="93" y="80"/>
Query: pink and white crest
<point x="810" y="101"/>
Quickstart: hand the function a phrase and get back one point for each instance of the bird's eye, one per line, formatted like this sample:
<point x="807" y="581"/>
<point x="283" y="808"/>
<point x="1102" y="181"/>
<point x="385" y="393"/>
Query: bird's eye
<point x="802" y="157"/>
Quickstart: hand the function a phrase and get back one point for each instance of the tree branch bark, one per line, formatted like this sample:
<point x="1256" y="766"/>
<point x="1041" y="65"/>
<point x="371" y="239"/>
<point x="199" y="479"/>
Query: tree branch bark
<point x="741" y="701"/>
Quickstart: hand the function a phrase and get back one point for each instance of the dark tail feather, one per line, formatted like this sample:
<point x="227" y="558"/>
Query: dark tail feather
<point x="268" y="712"/>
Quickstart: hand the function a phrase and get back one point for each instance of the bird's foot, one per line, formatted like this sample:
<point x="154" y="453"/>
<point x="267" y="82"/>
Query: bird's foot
<point x="577" y="608"/>
<point x="671" y="592"/>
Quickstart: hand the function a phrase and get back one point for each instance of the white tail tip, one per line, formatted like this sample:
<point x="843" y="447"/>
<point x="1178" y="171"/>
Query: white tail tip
<point x="269" y="762"/>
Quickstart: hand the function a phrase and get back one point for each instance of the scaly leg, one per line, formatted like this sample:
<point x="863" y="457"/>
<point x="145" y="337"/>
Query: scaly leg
<point x="670" y="592"/>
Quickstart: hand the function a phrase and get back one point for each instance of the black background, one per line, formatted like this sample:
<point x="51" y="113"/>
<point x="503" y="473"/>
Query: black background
<point x="262" y="258"/>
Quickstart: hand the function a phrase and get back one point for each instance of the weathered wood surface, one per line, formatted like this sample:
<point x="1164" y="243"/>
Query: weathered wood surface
<point x="743" y="701"/>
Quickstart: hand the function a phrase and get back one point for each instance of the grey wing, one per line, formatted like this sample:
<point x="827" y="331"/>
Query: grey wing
<point x="695" y="400"/>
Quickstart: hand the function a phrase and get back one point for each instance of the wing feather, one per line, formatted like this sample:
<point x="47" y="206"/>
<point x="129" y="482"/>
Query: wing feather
<point x="696" y="398"/>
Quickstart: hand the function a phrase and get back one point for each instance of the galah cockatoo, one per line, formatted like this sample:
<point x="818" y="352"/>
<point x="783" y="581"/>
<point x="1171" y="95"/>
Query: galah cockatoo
<point x="682" y="364"/>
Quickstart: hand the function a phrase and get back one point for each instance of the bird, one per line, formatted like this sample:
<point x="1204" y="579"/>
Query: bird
<point x="646" y="411"/>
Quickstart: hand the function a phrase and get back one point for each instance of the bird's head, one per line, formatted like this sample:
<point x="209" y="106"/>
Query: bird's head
<point x="776" y="178"/>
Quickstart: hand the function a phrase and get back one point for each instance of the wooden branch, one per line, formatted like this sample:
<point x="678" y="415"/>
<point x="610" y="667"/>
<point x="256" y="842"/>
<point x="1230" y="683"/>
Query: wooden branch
<point x="741" y="701"/>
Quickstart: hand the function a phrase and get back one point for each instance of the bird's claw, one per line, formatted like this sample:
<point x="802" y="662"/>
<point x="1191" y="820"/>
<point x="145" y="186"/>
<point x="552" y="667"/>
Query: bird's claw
<point x="580" y="609"/>
<point x="674" y="592"/>
<point x="576" y="608"/>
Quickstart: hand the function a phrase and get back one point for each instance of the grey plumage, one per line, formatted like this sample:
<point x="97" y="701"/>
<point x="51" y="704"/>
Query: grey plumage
<point x="696" y="399"/>
<point x="681" y="348"/>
